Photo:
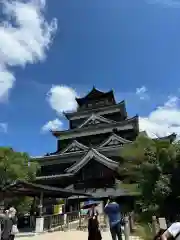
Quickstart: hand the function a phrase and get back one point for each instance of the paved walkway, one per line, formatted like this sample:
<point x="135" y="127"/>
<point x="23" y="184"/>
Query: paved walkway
<point x="69" y="235"/>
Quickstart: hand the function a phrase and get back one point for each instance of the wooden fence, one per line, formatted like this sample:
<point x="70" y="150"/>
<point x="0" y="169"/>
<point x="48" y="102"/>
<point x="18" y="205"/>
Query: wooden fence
<point x="104" y="225"/>
<point x="74" y="220"/>
<point x="62" y="222"/>
<point x="157" y="224"/>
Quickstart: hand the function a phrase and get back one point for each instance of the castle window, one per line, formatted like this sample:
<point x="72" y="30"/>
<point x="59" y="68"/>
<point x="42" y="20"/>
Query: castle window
<point x="101" y="173"/>
<point x="86" y="174"/>
<point x="90" y="105"/>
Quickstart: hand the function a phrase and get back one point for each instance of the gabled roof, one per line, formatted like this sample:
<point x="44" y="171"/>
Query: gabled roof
<point x="75" y="146"/>
<point x="171" y="138"/>
<point x="130" y="123"/>
<point x="23" y="188"/>
<point x="94" y="119"/>
<point x="57" y="155"/>
<point x="92" y="154"/>
<point x="94" y="94"/>
<point x="114" y="140"/>
<point x="120" y="107"/>
<point x="55" y="176"/>
<point x="104" y="193"/>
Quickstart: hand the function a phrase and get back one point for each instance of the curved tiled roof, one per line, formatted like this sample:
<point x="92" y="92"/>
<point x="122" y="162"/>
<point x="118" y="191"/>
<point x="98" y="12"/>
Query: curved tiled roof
<point x="92" y="153"/>
<point x="77" y="146"/>
<point x="96" y="118"/>
<point x="112" y="139"/>
<point x="133" y="120"/>
<point x="94" y="94"/>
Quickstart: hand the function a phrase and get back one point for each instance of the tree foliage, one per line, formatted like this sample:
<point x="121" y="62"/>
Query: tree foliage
<point x="154" y="165"/>
<point x="16" y="166"/>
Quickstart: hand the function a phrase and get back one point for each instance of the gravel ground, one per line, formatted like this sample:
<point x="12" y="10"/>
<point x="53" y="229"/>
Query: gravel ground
<point x="69" y="235"/>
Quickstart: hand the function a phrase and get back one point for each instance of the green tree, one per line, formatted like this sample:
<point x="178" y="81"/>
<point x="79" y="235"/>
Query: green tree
<point x="133" y="155"/>
<point x="16" y="166"/>
<point x="154" y="165"/>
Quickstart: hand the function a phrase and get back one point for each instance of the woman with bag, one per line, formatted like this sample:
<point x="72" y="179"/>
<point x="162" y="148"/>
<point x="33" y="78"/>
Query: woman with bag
<point x="93" y="223"/>
<point x="13" y="217"/>
<point x="9" y="225"/>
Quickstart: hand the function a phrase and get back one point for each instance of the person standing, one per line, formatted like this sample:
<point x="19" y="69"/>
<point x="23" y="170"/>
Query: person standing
<point x="13" y="218"/>
<point x="173" y="232"/>
<point x="9" y="225"/>
<point x="2" y="216"/>
<point x="6" y="226"/>
<point x="93" y="224"/>
<point x="33" y="213"/>
<point x="112" y="210"/>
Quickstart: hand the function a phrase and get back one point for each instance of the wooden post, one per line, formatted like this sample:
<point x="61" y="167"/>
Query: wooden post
<point x="131" y="221"/>
<point x="80" y="222"/>
<point x="40" y="220"/>
<point x="126" y="228"/>
<point x="65" y="205"/>
<point x="65" y="220"/>
<point x="79" y="212"/>
<point x="155" y="227"/>
<point x="162" y="223"/>
<point x="50" y="222"/>
<point x="41" y="205"/>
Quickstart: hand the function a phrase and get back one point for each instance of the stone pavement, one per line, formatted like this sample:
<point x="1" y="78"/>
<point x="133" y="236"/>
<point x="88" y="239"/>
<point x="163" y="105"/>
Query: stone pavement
<point x="70" y="235"/>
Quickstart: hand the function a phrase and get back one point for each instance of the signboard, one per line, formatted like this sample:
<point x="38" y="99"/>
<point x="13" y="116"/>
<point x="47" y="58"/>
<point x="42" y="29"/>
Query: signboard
<point x="58" y="208"/>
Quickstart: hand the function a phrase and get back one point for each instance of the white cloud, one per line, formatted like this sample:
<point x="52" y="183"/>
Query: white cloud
<point x="62" y="98"/>
<point x="3" y="127"/>
<point x="164" y="120"/>
<point x="142" y="93"/>
<point x="161" y="122"/>
<point x="25" y="36"/>
<point x="55" y="124"/>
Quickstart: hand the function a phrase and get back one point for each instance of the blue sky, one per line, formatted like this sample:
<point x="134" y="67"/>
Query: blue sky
<point x="130" y="46"/>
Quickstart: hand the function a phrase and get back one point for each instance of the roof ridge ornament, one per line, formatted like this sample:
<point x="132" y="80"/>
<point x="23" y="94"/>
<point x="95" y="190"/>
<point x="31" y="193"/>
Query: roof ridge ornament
<point x="74" y="146"/>
<point x="114" y="140"/>
<point x="93" y="117"/>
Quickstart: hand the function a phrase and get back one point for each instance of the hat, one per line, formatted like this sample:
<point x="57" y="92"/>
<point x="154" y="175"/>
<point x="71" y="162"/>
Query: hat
<point x="89" y="204"/>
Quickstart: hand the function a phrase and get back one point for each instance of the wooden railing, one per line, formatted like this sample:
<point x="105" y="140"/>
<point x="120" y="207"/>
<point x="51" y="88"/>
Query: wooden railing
<point x="53" y="221"/>
<point x="73" y="220"/>
<point x="61" y="221"/>
<point x="104" y="225"/>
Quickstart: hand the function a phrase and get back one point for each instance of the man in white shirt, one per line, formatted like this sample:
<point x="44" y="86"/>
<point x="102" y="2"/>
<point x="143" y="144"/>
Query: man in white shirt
<point x="172" y="231"/>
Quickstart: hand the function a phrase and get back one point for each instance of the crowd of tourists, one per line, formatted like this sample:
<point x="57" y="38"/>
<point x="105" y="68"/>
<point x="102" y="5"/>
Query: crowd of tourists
<point x="8" y="224"/>
<point x="112" y="210"/>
